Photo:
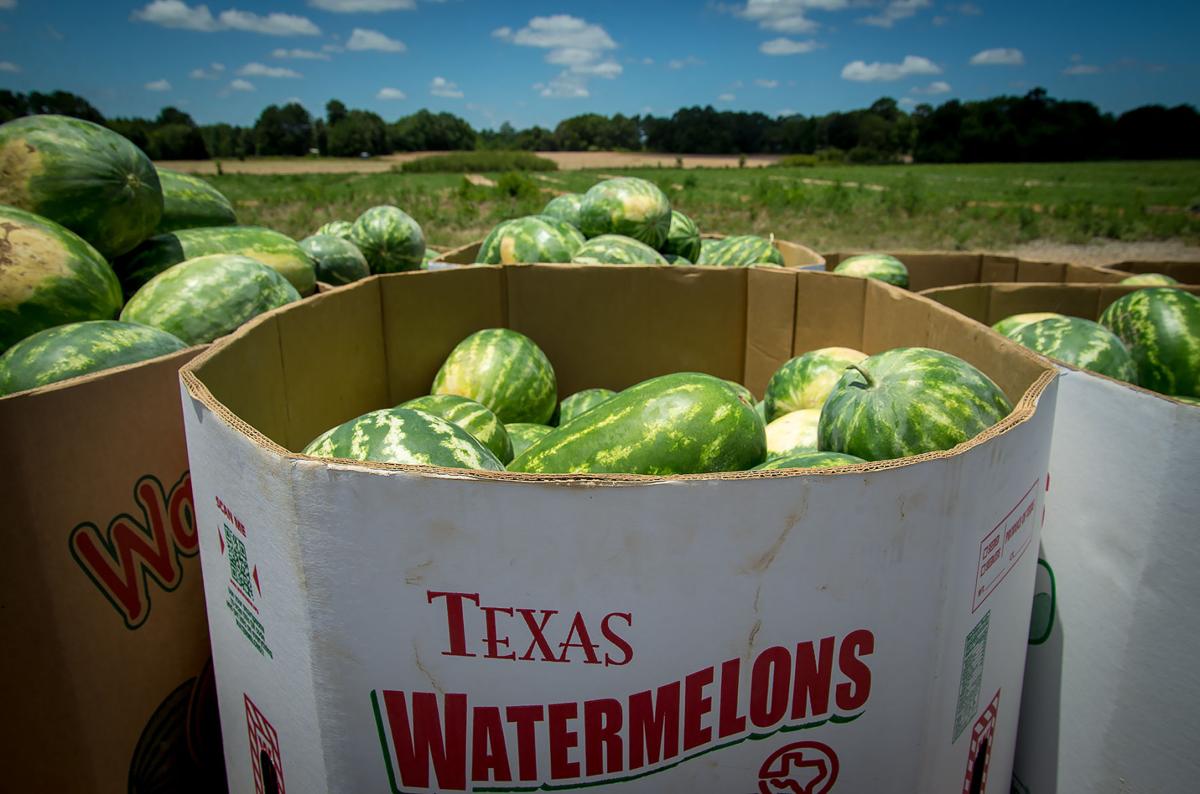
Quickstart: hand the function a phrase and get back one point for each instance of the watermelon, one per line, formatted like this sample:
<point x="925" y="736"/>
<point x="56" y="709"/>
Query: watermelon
<point x="760" y="408"/>
<point x="275" y="250"/>
<point x="404" y="435"/>
<point x="209" y="296"/>
<point x="627" y="206"/>
<point x="683" y="238"/>
<point x="430" y="256"/>
<point x="907" y="401"/>
<point x="746" y="395"/>
<point x="336" y="229"/>
<point x="677" y="260"/>
<point x="1161" y="328"/>
<point x="82" y="176"/>
<point x="565" y="208"/>
<point x="1150" y="280"/>
<point x="191" y="203"/>
<point x="1010" y="325"/>
<point x="883" y="267"/>
<point x="66" y="351"/>
<point x="503" y="369"/>
<point x="684" y="423"/>
<point x="389" y="238"/>
<point x="805" y="381"/>
<point x="581" y="402"/>
<point x="740" y="250"/>
<point x="793" y="432"/>
<point x="337" y="261"/>
<point x="1080" y="343"/>
<point x="471" y="416"/>
<point x="533" y="238"/>
<point x="615" y="249"/>
<point x="523" y="434"/>
<point x="49" y="276"/>
<point x="809" y="460"/>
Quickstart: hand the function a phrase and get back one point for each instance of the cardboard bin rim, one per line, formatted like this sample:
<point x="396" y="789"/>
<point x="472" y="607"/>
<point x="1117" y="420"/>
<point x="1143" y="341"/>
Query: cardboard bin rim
<point x="804" y="251"/>
<point x="89" y="377"/>
<point x="1023" y="409"/>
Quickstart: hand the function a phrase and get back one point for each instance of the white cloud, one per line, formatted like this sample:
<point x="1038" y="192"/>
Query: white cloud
<point x="241" y="85"/>
<point x="605" y="69"/>
<point x="894" y="11"/>
<point x="966" y="9"/>
<point x="262" y="70"/>
<point x="908" y="101"/>
<point x="390" y="93"/>
<point x="764" y="83"/>
<point x="647" y="61"/>
<point x="999" y="56"/>
<point x="683" y="63"/>
<point x="572" y="42"/>
<point x="362" y="39"/>
<point x="783" y="46"/>
<point x="1081" y="69"/>
<point x="309" y="55"/>
<point x="270" y="25"/>
<point x="936" y="87"/>
<point x="9" y="66"/>
<point x="442" y="87"/>
<point x="786" y="112"/>
<point x="178" y="14"/>
<point x="726" y="97"/>
<point x="158" y="85"/>
<point x="8" y="5"/>
<point x="565" y="86"/>
<point x="874" y="72"/>
<point x="363" y="6"/>
<point x="787" y="16"/>
<point x="213" y="73"/>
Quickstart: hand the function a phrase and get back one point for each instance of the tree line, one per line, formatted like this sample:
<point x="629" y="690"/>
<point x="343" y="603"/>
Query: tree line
<point x="1029" y="128"/>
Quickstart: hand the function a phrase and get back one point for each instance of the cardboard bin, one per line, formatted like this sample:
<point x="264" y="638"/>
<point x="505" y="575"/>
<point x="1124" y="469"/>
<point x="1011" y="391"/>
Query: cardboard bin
<point x="932" y="269"/>
<point x="794" y="254"/>
<point x="1183" y="272"/>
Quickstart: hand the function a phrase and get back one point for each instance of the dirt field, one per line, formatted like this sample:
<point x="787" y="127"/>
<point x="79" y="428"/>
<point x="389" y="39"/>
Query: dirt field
<point x="1107" y="252"/>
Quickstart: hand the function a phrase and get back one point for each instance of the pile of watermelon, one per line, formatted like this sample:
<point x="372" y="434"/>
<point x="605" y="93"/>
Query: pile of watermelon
<point x="106" y="260"/>
<point x="494" y="406"/>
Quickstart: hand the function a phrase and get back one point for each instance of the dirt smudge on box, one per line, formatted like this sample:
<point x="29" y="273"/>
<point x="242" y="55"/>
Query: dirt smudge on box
<point x="417" y="661"/>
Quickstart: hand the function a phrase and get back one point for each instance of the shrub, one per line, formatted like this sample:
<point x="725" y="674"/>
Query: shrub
<point x="471" y="162"/>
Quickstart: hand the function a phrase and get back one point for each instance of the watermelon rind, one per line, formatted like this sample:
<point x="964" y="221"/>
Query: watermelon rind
<point x="565" y="208"/>
<point x="739" y="250"/>
<point x="683" y="238"/>
<point x="67" y="351"/>
<point x="1013" y="323"/>
<point x="882" y="267"/>
<point x="806" y="380"/>
<point x="746" y="395"/>
<point x="82" y="176"/>
<point x="1150" y="280"/>
<point x="627" y="206"/>
<point x="1081" y="343"/>
<point x="49" y="276"/>
<point x="683" y="423"/>
<point x="809" y="460"/>
<point x="908" y="401"/>
<point x="528" y="240"/>
<point x="581" y="402"/>
<point x="503" y="369"/>
<point x="672" y="259"/>
<point x="523" y="434"/>
<point x="191" y="203"/>
<point x="793" y="432"/>
<point x="336" y="229"/>
<point x="1161" y="328"/>
<point x="389" y="238"/>
<point x="209" y="296"/>
<point x="616" y="249"/>
<point x="476" y="418"/>
<point x="404" y="435"/>
<point x="337" y="261"/>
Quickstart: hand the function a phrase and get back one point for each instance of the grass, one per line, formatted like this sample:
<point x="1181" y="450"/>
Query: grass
<point x="476" y="162"/>
<point x="827" y="207"/>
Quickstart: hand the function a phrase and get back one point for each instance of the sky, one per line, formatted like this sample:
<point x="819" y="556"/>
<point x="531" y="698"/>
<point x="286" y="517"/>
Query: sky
<point x="537" y="62"/>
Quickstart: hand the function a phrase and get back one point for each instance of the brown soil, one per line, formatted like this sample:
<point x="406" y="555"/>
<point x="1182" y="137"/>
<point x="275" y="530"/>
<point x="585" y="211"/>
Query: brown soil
<point x="1107" y="252"/>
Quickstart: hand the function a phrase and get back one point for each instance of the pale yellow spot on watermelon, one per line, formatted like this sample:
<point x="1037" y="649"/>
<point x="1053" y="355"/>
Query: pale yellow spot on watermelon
<point x="793" y="431"/>
<point x="35" y="256"/>
<point x="639" y="206"/>
<point x="19" y="163"/>
<point x="508" y="251"/>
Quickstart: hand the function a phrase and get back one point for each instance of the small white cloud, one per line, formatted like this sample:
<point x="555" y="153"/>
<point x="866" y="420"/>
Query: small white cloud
<point x="787" y="16"/>
<point x="861" y="71"/>
<point x="305" y="55"/>
<point x="8" y="5"/>
<point x="1078" y="69"/>
<point x="241" y="85"/>
<point x="999" y="56"/>
<point x="565" y="86"/>
<point x="786" y="112"/>
<point x="785" y="46"/>
<point x="967" y="9"/>
<point x="442" y="87"/>
<point x="178" y="14"/>
<point x="646" y="110"/>
<point x="764" y="83"/>
<point x="262" y="70"/>
<point x="362" y="39"/>
<point x="936" y="87"/>
<point x="647" y="61"/>
<point x="894" y="11"/>
<point x="390" y="93"/>
<point x="363" y="6"/>
<point x="683" y="63"/>
<point x="726" y="97"/>
<point x="504" y="33"/>
<point x="158" y="85"/>
<point x="270" y="25"/>
<point x="607" y="69"/>
<point x="572" y="42"/>
<point x="213" y="73"/>
<point x="907" y="101"/>
<point x="9" y="66"/>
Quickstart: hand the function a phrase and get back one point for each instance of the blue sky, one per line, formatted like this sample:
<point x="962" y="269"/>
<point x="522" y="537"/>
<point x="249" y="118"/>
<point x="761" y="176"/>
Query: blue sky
<point x="540" y="62"/>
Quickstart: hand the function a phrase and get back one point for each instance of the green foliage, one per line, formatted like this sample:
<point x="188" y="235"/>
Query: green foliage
<point x="478" y="162"/>
<point x="517" y="185"/>
<point x="356" y="132"/>
<point x="797" y="161"/>
<point x="283" y="130"/>
<point x="430" y="132"/>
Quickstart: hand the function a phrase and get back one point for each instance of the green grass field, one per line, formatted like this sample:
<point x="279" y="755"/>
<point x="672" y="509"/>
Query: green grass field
<point x="920" y="206"/>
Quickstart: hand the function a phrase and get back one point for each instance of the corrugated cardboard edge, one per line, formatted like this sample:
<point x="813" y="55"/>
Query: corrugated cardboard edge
<point x="1022" y="411"/>
<point x="795" y="254"/>
<point x="68" y="383"/>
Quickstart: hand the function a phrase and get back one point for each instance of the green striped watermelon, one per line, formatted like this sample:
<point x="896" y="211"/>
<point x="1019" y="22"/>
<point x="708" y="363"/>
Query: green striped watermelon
<point x="336" y="229"/>
<point x="337" y="261"/>
<point x="883" y="267"/>
<point x="685" y="423"/>
<point x="806" y="380"/>
<point x="1080" y="343"/>
<point x="78" y="349"/>
<point x="809" y="460"/>
<point x="908" y="401"/>
<point x="627" y="206"/>
<point x="49" y="276"/>
<point x="581" y="402"/>
<point x="1161" y="328"/>
<point x="524" y="434"/>
<point x="476" y="418"/>
<point x="389" y="238"/>
<point x="683" y="238"/>
<point x="275" y="250"/>
<point x="760" y="408"/>
<point x="82" y="176"/>
<point x="793" y="432"/>
<point x="740" y="250"/>
<point x="404" y="435"/>
<point x="615" y="249"/>
<point x="1150" y="280"/>
<point x="191" y="203"/>
<point x="209" y="296"/>
<point x="1010" y="325"/>
<point x="533" y="238"/>
<point x="565" y="208"/>
<point x="746" y="395"/>
<point x="677" y="260"/>
<point x="503" y="369"/>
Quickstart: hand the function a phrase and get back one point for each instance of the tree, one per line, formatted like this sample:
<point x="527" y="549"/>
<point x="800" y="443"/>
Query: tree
<point x="64" y="103"/>
<point x="360" y="131"/>
<point x="283" y="130"/>
<point x="335" y="111"/>
<point x="425" y="131"/>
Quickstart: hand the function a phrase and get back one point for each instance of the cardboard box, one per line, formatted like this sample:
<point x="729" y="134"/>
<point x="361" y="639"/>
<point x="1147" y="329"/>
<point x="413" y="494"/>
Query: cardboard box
<point x="394" y="628"/>
<point x="1184" y="272"/>
<point x="794" y="254"/>
<point x="108" y="686"/>
<point x="929" y="270"/>
<point x="1110" y="698"/>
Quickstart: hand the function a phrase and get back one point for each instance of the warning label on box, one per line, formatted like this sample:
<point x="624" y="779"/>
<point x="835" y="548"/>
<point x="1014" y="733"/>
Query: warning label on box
<point x="1004" y="546"/>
